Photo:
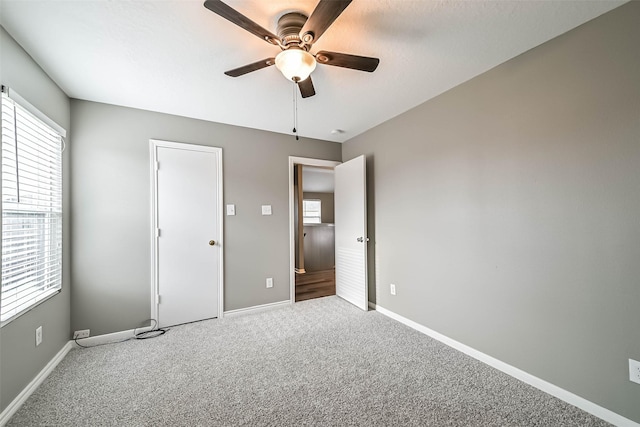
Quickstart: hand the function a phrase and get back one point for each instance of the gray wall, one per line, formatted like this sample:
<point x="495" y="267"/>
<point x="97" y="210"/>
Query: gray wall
<point x="20" y="359"/>
<point x="111" y="210"/>
<point x="507" y="211"/>
<point x="326" y="207"/>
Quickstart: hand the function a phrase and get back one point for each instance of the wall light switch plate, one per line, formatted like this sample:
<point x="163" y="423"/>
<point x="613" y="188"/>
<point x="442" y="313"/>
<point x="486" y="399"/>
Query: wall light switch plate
<point x="392" y="289"/>
<point x="38" y="335"/>
<point x="266" y="209"/>
<point x="269" y="282"/>
<point x="634" y="371"/>
<point x="231" y="210"/>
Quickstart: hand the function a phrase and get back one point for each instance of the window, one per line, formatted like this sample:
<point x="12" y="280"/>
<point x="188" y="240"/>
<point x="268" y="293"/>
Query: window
<point x="311" y="211"/>
<point x="31" y="209"/>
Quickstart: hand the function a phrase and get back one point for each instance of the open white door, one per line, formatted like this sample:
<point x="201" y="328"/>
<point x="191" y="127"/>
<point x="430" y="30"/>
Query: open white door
<point x="351" y="232"/>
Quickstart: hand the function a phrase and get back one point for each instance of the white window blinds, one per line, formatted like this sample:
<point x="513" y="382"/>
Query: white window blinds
<point x="31" y="210"/>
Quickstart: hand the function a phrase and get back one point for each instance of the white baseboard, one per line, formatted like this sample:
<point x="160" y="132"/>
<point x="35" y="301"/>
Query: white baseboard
<point x="560" y="393"/>
<point x="111" y="338"/>
<point x="257" y="308"/>
<point x="33" y="385"/>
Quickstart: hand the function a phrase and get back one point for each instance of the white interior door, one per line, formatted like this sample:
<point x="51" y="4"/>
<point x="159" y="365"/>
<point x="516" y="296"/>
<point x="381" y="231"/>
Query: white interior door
<point x="351" y="232"/>
<point x="188" y="207"/>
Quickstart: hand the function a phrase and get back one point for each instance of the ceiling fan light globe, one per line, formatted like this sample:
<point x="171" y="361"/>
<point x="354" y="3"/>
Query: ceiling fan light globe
<point x="295" y="64"/>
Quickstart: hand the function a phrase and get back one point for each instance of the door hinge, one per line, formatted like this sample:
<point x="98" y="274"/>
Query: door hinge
<point x="157" y="299"/>
<point x="157" y="165"/>
<point x="157" y="232"/>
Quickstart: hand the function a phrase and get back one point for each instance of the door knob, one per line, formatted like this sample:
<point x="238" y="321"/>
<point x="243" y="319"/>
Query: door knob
<point x="360" y="239"/>
<point x="212" y="242"/>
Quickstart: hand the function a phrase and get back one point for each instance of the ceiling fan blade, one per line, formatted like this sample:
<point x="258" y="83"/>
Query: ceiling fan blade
<point x="232" y="15"/>
<point x="321" y="18"/>
<point x="251" y="67"/>
<point x="355" y="62"/>
<point x="306" y="88"/>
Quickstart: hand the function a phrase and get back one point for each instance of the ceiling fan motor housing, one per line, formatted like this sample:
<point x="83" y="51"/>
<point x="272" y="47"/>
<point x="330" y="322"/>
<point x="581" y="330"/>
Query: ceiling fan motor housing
<point x="289" y="26"/>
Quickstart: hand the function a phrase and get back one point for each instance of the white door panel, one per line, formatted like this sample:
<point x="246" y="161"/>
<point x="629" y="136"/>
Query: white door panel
<point x="351" y="232"/>
<point x="187" y="215"/>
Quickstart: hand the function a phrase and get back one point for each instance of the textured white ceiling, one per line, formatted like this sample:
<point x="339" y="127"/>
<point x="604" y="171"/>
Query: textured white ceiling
<point x="169" y="55"/>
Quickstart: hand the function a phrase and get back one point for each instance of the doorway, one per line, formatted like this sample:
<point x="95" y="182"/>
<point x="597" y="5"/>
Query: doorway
<point x="349" y="231"/>
<point x="187" y="232"/>
<point x="312" y="259"/>
<point x="315" y="232"/>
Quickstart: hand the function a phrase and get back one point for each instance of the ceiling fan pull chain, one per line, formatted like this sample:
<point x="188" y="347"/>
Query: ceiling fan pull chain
<point x="295" y="110"/>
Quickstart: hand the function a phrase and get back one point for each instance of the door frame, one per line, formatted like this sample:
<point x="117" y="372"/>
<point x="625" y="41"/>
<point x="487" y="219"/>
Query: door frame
<point x="153" y="145"/>
<point x="305" y="161"/>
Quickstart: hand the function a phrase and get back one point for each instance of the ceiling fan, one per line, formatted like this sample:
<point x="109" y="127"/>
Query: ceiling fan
<point x="296" y="34"/>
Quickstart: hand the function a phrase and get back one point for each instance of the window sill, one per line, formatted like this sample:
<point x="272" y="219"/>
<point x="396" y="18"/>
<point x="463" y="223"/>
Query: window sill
<point x="45" y="297"/>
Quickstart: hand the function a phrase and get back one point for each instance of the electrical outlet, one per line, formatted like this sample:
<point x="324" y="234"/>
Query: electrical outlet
<point x="392" y="289"/>
<point x="38" y="335"/>
<point x="269" y="282"/>
<point x="634" y="371"/>
<point x="83" y="333"/>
